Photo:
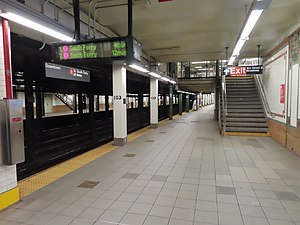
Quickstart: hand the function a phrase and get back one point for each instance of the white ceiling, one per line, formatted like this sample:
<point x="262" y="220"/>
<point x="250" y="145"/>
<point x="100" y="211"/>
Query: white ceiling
<point x="188" y="30"/>
<point x="193" y="30"/>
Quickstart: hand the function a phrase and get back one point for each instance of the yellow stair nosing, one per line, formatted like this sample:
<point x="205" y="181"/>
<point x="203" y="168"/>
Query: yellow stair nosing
<point x="247" y="134"/>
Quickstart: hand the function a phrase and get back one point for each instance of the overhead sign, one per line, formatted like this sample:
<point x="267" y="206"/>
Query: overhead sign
<point x="238" y="71"/>
<point x="92" y="50"/>
<point x="254" y="69"/>
<point x="242" y="70"/>
<point x="66" y="73"/>
<point x="137" y="50"/>
<point x="107" y="50"/>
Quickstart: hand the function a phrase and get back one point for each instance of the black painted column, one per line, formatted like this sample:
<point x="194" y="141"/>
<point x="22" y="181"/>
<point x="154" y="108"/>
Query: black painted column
<point x="29" y="111"/>
<point x="80" y="108"/>
<point x="217" y="90"/>
<point x="171" y="102"/>
<point x="76" y="11"/>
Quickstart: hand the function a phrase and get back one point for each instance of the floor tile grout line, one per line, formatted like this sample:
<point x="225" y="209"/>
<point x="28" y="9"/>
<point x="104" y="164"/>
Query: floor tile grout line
<point x="132" y="182"/>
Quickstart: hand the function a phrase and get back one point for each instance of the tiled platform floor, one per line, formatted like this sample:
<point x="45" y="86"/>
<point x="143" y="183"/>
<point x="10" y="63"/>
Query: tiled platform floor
<point x="183" y="173"/>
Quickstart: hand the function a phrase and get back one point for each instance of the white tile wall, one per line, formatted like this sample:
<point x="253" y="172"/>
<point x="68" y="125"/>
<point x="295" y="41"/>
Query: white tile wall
<point x="8" y="175"/>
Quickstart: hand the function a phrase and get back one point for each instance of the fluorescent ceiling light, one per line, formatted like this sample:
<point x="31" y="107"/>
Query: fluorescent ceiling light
<point x="247" y="29"/>
<point x="205" y="69"/>
<point x="154" y="75"/>
<point x="231" y="60"/>
<point x="173" y="82"/>
<point x="252" y="20"/>
<point x="165" y="79"/>
<point x="198" y="67"/>
<point x="239" y="45"/>
<point x="139" y="68"/>
<point x="200" y="62"/>
<point x="35" y="26"/>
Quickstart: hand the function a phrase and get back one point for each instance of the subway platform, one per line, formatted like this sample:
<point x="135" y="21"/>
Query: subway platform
<point x="183" y="173"/>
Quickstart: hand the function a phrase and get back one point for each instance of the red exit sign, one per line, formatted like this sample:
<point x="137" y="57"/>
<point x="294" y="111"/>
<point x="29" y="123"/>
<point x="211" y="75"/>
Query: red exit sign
<point x="238" y="71"/>
<point x="164" y="0"/>
<point x="242" y="70"/>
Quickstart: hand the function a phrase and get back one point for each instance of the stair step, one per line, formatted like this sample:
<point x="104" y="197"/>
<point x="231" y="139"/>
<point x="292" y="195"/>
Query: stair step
<point x="242" y="99"/>
<point x="240" y="82"/>
<point x="257" y="106"/>
<point x="241" y="92"/>
<point x="246" y="124"/>
<point x="245" y="110"/>
<point x="243" y="103"/>
<point x="245" y="115"/>
<point x="239" y="78"/>
<point x="240" y="89"/>
<point x="247" y="129"/>
<point x="237" y="119"/>
<point x="236" y="84"/>
<point x="241" y="95"/>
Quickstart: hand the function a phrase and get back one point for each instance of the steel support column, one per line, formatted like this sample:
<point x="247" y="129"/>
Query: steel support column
<point x="171" y="102"/>
<point x="130" y="18"/>
<point x="217" y="89"/>
<point x="187" y="103"/>
<point x="180" y="104"/>
<point x="76" y="10"/>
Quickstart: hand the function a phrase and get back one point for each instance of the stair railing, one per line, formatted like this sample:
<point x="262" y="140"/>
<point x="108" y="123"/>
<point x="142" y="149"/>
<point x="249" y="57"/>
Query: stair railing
<point x="65" y="99"/>
<point x="220" y="112"/>
<point x="224" y="102"/>
<point x="262" y="95"/>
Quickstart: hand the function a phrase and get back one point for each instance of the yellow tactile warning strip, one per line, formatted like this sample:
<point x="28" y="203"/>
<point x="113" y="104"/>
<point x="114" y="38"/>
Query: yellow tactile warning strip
<point x="43" y="178"/>
<point x="8" y="198"/>
<point x="247" y="134"/>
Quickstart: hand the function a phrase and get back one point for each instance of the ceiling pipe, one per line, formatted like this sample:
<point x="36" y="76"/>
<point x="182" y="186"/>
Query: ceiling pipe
<point x="95" y="12"/>
<point x="95" y="2"/>
<point x="61" y="10"/>
<point x="96" y="7"/>
<point x="44" y="4"/>
<point x="258" y="53"/>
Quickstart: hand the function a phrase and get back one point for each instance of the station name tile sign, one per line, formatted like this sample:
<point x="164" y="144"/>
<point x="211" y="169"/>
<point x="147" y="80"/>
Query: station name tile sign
<point x="66" y="73"/>
<point x="242" y="70"/>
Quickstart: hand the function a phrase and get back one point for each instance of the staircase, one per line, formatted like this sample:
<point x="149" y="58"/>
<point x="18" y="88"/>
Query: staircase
<point x="67" y="100"/>
<point x="245" y="112"/>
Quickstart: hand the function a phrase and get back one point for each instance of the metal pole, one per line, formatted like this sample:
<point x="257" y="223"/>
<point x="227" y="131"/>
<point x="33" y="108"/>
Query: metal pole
<point x="258" y="53"/>
<point x="171" y="102"/>
<point x="76" y="10"/>
<point x="130" y="19"/>
<point x="74" y="104"/>
<point x="187" y="103"/>
<point x="97" y="103"/>
<point x="180" y="104"/>
<point x="227" y="48"/>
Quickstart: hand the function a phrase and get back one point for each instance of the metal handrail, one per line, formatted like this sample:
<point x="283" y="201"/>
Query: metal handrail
<point x="220" y="112"/>
<point x="263" y="96"/>
<point x="224" y="102"/>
